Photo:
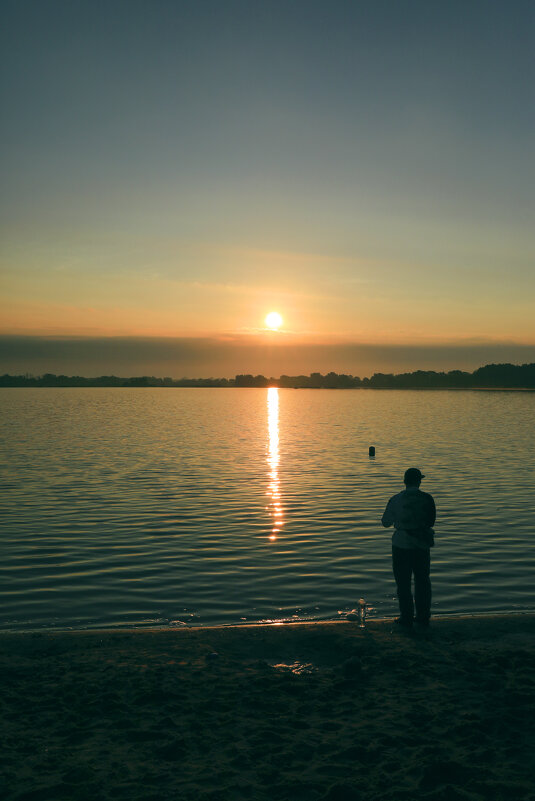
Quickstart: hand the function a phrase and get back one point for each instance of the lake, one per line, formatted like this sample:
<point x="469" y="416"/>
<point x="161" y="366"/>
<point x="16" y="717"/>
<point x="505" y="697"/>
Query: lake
<point x="172" y="507"/>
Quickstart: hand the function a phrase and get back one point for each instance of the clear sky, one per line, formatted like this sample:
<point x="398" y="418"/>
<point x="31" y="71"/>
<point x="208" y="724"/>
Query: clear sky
<point x="177" y="170"/>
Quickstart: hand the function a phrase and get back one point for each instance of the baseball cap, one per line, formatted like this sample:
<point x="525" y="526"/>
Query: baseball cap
<point x="412" y="475"/>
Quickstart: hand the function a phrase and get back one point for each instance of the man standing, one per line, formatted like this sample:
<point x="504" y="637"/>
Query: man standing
<point x="413" y="514"/>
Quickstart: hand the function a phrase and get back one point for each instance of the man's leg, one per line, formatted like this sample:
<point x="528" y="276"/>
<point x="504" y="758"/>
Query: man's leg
<point x="402" y="567"/>
<point x="422" y="585"/>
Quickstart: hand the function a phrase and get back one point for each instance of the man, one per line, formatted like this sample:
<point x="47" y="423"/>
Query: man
<point x="413" y="514"/>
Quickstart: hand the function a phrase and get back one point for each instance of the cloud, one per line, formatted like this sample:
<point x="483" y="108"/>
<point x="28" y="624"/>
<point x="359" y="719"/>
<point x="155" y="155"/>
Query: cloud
<point x="225" y="357"/>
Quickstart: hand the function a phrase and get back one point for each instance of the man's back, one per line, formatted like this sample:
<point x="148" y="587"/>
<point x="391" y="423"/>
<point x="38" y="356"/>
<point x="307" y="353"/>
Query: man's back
<point x="413" y="513"/>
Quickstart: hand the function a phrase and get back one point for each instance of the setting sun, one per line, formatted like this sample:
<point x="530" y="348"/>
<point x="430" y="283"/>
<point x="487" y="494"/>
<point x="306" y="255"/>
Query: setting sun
<point x="273" y="320"/>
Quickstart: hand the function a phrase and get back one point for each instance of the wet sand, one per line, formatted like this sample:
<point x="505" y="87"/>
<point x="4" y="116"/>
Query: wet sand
<point x="318" y="712"/>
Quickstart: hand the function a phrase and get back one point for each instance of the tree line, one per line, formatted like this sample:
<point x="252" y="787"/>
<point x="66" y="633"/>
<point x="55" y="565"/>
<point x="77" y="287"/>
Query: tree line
<point x="52" y="380"/>
<point x="491" y="375"/>
<point x="507" y="376"/>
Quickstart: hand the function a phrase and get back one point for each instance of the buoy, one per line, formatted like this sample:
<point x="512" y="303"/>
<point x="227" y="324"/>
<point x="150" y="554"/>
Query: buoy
<point x="371" y="450"/>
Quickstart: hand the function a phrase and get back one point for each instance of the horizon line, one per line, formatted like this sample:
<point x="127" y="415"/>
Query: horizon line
<point x="260" y="376"/>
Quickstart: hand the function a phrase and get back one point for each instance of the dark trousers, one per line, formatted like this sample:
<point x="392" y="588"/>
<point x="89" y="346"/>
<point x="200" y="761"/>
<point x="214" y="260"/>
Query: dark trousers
<point x="405" y="563"/>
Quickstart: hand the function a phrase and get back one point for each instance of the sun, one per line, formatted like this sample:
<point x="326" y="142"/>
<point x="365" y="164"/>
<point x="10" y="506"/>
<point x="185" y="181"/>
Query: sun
<point x="273" y="320"/>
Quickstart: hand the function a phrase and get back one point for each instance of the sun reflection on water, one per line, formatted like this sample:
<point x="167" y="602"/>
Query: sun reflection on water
<point x="273" y="458"/>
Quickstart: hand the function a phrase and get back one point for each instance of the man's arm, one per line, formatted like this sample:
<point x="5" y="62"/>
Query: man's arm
<point x="432" y="511"/>
<point x="388" y="515"/>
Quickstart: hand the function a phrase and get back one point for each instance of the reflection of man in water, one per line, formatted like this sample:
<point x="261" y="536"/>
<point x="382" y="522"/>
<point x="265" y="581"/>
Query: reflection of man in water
<point x="413" y="514"/>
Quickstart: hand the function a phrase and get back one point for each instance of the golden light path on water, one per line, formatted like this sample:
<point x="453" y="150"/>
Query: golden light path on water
<point x="273" y="458"/>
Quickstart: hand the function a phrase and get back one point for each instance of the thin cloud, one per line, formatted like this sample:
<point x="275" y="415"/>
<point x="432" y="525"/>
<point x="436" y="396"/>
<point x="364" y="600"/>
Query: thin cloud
<point x="227" y="356"/>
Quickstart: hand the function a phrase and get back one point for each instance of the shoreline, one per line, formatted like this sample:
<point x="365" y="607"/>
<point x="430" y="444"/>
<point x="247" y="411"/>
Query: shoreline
<point x="370" y="621"/>
<point x="274" y="386"/>
<point x="305" y="711"/>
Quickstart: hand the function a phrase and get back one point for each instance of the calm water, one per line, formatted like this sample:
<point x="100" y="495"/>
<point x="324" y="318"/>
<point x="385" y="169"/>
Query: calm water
<point x="152" y="507"/>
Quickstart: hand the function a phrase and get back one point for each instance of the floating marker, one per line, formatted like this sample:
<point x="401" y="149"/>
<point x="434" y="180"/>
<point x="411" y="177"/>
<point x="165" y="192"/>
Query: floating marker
<point x="371" y="450"/>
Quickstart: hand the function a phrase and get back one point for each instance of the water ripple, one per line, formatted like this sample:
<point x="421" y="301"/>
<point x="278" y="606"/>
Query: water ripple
<point x="197" y="506"/>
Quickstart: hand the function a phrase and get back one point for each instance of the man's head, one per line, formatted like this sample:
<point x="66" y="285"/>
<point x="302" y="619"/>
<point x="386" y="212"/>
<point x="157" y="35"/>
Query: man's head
<point x="413" y="477"/>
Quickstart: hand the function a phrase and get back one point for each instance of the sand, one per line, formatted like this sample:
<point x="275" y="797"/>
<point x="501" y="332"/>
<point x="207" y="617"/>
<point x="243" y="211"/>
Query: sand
<point x="299" y="712"/>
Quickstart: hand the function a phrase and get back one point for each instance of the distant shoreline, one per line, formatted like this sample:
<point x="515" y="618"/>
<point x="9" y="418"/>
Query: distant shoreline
<point x="271" y="386"/>
<point x="490" y="377"/>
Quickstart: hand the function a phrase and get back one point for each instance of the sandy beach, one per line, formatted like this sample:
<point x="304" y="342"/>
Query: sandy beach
<point x="304" y="712"/>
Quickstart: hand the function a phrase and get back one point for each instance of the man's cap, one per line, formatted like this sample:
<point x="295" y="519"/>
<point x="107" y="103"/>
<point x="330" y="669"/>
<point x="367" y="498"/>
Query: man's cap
<point x="412" y="475"/>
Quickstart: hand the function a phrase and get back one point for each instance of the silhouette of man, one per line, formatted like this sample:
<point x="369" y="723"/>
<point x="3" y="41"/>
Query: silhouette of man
<point x="413" y="514"/>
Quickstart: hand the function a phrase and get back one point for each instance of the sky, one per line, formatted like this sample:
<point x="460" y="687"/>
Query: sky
<point x="173" y="171"/>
